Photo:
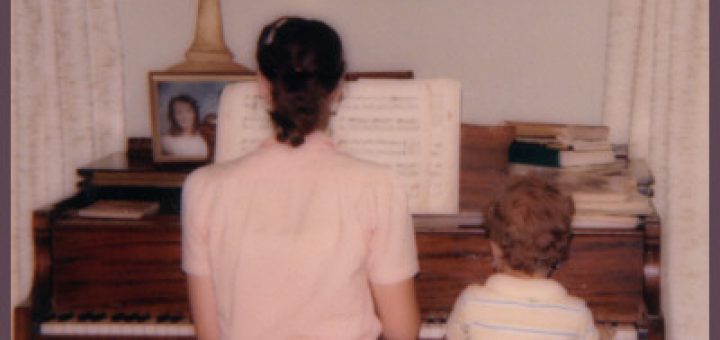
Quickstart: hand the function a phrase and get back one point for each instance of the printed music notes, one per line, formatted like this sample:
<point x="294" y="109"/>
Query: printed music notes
<point x="412" y="126"/>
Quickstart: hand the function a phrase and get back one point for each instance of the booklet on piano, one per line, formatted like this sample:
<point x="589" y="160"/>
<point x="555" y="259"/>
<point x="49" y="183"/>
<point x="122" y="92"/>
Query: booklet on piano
<point x="119" y="209"/>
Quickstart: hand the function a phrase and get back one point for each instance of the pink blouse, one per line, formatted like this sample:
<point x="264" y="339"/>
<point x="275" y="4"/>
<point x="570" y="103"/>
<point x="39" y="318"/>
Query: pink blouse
<point x="292" y="237"/>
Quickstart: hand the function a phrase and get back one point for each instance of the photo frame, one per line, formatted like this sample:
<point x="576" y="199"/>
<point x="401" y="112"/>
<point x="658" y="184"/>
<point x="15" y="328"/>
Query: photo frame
<point x="183" y="113"/>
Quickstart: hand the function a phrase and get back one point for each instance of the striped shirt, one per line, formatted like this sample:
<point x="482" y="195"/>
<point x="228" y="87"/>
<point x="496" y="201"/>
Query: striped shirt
<point x="508" y="307"/>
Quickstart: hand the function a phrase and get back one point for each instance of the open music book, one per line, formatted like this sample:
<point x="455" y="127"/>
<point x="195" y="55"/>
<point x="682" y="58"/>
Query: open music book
<point x="412" y="126"/>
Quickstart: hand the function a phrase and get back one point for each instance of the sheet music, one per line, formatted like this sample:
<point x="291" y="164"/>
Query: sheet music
<point x="444" y="191"/>
<point x="410" y="125"/>
<point x="243" y="122"/>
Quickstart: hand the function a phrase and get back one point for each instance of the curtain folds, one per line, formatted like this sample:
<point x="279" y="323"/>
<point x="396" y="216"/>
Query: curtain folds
<point x="66" y="107"/>
<point x="657" y="101"/>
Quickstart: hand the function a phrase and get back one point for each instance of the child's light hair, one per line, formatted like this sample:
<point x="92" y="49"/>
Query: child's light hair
<point x="531" y="223"/>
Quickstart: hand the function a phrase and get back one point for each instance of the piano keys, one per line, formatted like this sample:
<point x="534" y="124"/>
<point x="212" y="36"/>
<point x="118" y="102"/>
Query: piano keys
<point x="177" y="327"/>
<point x="166" y="327"/>
<point x="120" y="324"/>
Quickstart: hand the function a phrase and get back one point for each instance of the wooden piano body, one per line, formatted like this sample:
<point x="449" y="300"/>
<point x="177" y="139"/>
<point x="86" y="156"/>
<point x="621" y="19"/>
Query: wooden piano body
<point x="117" y="266"/>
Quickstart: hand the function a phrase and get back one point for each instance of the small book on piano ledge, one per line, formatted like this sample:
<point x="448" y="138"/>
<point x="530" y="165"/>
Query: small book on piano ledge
<point x="120" y="209"/>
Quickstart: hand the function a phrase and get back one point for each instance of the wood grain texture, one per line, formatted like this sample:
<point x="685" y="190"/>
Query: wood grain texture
<point x="41" y="293"/>
<point x="134" y="266"/>
<point x="119" y="266"/>
<point x="483" y="163"/>
<point x="22" y="326"/>
<point x="605" y="270"/>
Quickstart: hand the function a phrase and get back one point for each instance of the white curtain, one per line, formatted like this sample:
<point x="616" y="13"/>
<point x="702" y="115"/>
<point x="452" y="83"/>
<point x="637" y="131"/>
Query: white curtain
<point x="657" y="101"/>
<point x="66" y="107"/>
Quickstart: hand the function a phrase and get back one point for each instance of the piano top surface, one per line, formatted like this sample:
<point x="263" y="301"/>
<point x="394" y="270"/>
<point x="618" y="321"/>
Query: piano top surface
<point x="447" y="223"/>
<point x="122" y="162"/>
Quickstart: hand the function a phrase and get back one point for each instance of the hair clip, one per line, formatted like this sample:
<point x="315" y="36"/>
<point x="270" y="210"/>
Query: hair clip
<point x="271" y="35"/>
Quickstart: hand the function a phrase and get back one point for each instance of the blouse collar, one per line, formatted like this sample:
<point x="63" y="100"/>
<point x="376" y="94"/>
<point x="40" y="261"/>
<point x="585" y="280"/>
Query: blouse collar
<point x="317" y="139"/>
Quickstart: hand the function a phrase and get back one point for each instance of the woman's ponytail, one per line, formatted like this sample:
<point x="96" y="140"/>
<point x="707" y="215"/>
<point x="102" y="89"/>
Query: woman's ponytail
<point x="303" y="61"/>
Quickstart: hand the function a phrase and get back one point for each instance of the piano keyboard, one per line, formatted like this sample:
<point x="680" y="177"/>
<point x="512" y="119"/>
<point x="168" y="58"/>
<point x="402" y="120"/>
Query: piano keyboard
<point x="428" y="331"/>
<point x="115" y="328"/>
<point x="79" y="326"/>
<point x="180" y="327"/>
<point x="91" y="324"/>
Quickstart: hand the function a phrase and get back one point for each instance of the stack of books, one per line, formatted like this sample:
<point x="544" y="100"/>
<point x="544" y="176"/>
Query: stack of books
<point x="614" y="195"/>
<point x="560" y="145"/>
<point x="607" y="191"/>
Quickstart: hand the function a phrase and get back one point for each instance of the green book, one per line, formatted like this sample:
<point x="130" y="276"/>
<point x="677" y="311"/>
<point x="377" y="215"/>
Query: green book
<point x="533" y="153"/>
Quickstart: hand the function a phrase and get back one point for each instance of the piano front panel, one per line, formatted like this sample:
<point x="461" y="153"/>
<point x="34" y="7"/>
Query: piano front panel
<point x="448" y="262"/>
<point x="133" y="268"/>
<point x="606" y="271"/>
<point x="604" y="268"/>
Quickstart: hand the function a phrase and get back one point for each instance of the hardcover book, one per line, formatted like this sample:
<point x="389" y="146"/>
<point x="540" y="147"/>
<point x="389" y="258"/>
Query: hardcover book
<point x="119" y="209"/>
<point x="543" y="155"/>
<point x="561" y="132"/>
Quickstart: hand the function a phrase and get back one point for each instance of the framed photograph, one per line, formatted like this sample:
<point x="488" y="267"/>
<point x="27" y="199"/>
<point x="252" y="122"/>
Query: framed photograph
<point x="183" y="113"/>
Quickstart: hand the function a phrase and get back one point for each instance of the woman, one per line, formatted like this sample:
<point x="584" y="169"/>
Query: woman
<point x="297" y="240"/>
<point x="184" y="138"/>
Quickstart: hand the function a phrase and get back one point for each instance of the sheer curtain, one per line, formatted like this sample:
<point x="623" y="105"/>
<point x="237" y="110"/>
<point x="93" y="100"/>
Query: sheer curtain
<point x="657" y="101"/>
<point x="66" y="107"/>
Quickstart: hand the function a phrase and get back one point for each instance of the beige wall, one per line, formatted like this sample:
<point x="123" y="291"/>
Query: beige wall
<point x="521" y="59"/>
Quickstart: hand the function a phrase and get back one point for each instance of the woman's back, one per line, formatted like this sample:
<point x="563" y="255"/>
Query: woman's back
<point x="293" y="235"/>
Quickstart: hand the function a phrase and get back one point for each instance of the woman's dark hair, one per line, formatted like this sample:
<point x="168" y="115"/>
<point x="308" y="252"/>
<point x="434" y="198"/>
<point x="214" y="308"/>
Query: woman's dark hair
<point x="303" y="59"/>
<point x="531" y="223"/>
<point x="175" y="128"/>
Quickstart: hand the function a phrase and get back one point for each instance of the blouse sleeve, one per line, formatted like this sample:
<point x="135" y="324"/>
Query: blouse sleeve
<point x="392" y="252"/>
<point x="194" y="231"/>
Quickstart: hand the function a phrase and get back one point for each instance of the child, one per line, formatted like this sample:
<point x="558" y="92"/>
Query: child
<point x="529" y="230"/>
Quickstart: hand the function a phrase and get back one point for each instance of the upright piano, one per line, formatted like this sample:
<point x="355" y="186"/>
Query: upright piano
<point x="103" y="278"/>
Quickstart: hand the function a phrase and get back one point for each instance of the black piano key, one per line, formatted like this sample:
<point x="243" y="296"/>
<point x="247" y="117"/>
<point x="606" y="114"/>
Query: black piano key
<point x="98" y="316"/>
<point x="163" y="318"/>
<point x="65" y="316"/>
<point x="175" y="318"/>
<point x="118" y="317"/>
<point x="435" y="318"/>
<point x="130" y="317"/>
<point x="49" y="317"/>
<point x="85" y="316"/>
<point x="143" y="317"/>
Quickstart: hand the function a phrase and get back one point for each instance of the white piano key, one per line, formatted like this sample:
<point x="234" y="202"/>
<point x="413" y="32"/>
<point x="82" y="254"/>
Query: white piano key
<point x="432" y="330"/>
<point x="625" y="333"/>
<point x="50" y="328"/>
<point x="135" y="329"/>
<point x="101" y="329"/>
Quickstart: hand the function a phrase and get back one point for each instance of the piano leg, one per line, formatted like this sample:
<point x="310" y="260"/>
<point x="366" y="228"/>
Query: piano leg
<point x="22" y="327"/>
<point x="656" y="328"/>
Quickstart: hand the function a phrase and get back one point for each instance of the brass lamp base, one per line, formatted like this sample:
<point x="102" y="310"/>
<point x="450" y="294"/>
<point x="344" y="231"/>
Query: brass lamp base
<point x="208" y="52"/>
